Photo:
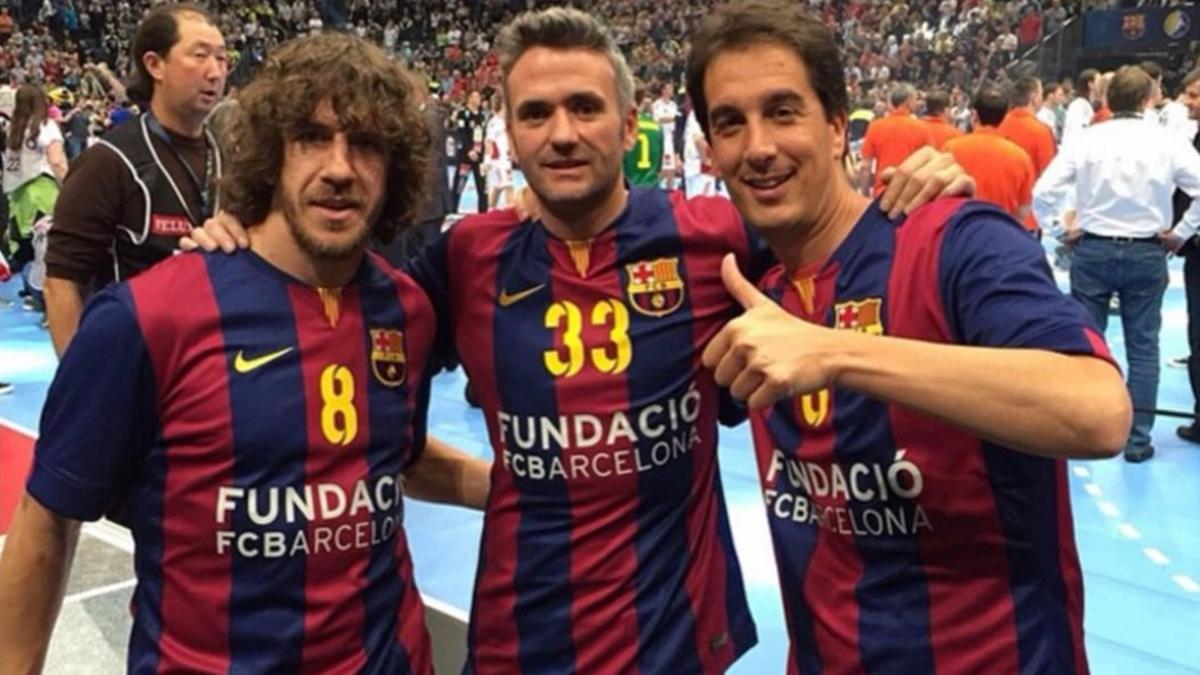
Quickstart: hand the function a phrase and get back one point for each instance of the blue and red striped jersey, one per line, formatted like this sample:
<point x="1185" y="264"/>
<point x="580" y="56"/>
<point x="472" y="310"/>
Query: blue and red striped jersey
<point x="905" y="544"/>
<point x="256" y="430"/>
<point x="606" y="545"/>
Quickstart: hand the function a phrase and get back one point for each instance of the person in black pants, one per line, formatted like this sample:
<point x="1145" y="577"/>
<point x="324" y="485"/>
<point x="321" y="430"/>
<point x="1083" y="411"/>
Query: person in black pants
<point x="469" y="126"/>
<point x="1191" y="270"/>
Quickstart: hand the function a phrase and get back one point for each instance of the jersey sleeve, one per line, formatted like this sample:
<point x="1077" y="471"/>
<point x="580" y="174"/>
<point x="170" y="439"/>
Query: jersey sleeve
<point x="99" y="421"/>
<point x="431" y="270"/>
<point x="998" y="290"/>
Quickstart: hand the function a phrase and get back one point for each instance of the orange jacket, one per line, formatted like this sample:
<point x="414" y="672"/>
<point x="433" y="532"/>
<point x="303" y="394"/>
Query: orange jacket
<point x="890" y="140"/>
<point x="1003" y="173"/>
<point x="941" y="131"/>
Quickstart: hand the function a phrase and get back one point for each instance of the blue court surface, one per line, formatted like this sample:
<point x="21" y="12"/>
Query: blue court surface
<point x="1137" y="526"/>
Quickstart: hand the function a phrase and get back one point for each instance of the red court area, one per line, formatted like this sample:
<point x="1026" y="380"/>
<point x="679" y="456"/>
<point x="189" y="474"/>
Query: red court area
<point x="16" y="452"/>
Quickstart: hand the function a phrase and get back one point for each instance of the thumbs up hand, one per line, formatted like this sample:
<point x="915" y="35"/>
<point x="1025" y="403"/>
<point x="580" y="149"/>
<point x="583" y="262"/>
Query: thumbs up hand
<point x="767" y="354"/>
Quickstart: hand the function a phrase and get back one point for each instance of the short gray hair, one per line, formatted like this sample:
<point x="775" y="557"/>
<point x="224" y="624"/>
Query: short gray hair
<point x="564" y="28"/>
<point x="901" y="93"/>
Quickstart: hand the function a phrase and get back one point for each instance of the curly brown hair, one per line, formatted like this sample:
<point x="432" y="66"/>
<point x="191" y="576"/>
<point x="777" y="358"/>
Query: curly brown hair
<point x="370" y="95"/>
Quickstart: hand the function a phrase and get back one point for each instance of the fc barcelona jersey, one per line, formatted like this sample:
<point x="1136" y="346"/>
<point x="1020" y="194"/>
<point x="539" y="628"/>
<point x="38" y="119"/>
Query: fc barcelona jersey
<point x="606" y="545"/>
<point x="905" y="544"/>
<point x="256" y="430"/>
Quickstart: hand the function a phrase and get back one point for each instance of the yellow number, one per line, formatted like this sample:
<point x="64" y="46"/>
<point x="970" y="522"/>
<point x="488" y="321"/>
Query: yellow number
<point x="556" y="315"/>
<point x="618" y="333"/>
<point x="612" y="358"/>
<point x="339" y="418"/>
<point x="815" y="408"/>
<point x="643" y="151"/>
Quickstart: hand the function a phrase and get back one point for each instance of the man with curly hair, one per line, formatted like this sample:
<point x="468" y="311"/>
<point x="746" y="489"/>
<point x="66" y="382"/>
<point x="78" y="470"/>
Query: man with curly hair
<point x="262" y="434"/>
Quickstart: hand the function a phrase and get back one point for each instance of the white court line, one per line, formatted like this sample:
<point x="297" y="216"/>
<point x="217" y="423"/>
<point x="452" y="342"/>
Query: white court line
<point x="1129" y="531"/>
<point x="1156" y="556"/>
<point x="118" y="537"/>
<point x="445" y="608"/>
<point x="101" y="590"/>
<point x="110" y="533"/>
<point x="1186" y="583"/>
<point x="18" y="428"/>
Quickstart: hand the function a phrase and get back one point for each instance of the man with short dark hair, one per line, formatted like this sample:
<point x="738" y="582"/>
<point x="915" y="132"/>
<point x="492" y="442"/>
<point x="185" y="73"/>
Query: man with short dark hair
<point x="901" y="348"/>
<point x="1122" y="175"/>
<point x="937" y="118"/>
<point x="1022" y="126"/>
<point x="262" y="414"/>
<point x="1051" y="111"/>
<point x="470" y="126"/>
<point x="1003" y="172"/>
<point x="128" y="200"/>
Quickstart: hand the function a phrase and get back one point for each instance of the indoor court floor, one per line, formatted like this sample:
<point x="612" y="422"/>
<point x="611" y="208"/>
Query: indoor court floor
<point x="1137" y="527"/>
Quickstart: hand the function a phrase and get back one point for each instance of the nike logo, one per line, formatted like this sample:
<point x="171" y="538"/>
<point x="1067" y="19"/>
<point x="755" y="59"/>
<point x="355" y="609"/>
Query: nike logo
<point x="506" y="299"/>
<point x="244" y="365"/>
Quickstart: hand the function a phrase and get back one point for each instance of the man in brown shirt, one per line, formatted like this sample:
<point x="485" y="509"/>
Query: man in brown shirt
<point x="128" y="199"/>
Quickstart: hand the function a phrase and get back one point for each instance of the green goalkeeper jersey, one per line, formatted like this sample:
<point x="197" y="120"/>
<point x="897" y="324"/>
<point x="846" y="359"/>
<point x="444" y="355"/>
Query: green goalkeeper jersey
<point x="643" y="163"/>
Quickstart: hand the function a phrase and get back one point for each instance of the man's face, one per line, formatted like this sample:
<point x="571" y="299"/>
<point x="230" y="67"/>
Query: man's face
<point x="567" y="128"/>
<point x="331" y="186"/>
<point x="1191" y="98"/>
<point x="771" y="140"/>
<point x="190" y="79"/>
<point x="473" y="100"/>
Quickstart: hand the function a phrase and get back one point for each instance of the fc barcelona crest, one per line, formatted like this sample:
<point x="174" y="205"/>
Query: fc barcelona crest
<point x="655" y="287"/>
<point x="388" y="360"/>
<point x="1133" y="26"/>
<point x="863" y="316"/>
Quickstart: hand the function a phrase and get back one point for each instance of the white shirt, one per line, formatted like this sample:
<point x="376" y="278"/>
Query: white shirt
<point x="691" y="151"/>
<point x="1046" y="116"/>
<point x="1079" y="117"/>
<point x="8" y="100"/>
<point x="31" y="161"/>
<point x="1122" y="174"/>
<point x="665" y="113"/>
<point x="1175" y="118"/>
<point x="497" y="134"/>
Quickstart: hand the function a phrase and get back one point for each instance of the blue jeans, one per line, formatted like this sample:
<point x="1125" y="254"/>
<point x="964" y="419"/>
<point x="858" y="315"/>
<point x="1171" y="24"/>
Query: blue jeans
<point x="1137" y="273"/>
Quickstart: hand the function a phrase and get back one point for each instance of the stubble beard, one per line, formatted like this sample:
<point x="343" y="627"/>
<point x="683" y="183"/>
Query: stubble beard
<point x="316" y="248"/>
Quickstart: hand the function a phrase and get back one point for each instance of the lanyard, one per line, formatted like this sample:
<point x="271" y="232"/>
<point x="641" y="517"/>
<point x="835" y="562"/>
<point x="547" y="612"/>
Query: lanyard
<point x="202" y="186"/>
